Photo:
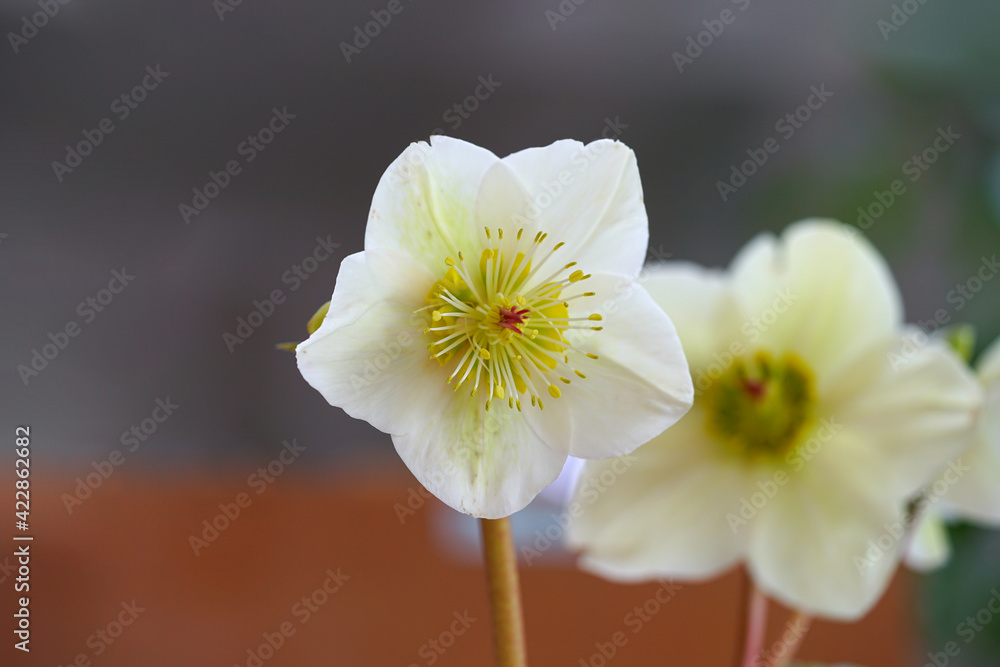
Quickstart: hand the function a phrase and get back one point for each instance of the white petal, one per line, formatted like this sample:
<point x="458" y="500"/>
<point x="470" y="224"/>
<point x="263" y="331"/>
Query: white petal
<point x="424" y="205"/>
<point x="487" y="464"/>
<point x="828" y="542"/>
<point x="590" y="197"/>
<point x="356" y="296"/>
<point x="638" y="387"/>
<point x="919" y="410"/>
<point x="977" y="494"/>
<point x="501" y="201"/>
<point x="699" y="303"/>
<point x="819" y="291"/>
<point x="401" y="276"/>
<point x="369" y="356"/>
<point x="929" y="546"/>
<point x="663" y="510"/>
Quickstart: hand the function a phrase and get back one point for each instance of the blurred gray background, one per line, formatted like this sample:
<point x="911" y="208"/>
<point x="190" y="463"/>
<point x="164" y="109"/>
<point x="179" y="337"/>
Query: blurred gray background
<point x="560" y="70"/>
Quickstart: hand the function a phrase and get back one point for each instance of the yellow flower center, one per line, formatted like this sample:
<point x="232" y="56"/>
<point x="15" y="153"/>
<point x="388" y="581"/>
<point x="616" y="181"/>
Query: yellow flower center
<point x="760" y="407"/>
<point x="501" y="325"/>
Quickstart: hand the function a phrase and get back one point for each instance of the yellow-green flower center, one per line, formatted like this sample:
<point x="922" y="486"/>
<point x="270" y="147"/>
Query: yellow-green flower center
<point x="501" y="326"/>
<point x="760" y="406"/>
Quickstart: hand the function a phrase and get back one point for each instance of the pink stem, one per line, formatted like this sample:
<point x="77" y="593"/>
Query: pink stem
<point x="756" y="627"/>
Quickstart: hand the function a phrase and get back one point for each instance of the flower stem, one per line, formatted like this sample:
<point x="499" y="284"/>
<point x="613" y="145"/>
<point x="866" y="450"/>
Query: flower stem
<point x="800" y="624"/>
<point x="505" y="594"/>
<point x="742" y="614"/>
<point x="756" y="626"/>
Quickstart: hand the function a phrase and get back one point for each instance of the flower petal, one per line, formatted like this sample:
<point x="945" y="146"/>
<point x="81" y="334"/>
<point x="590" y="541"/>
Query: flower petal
<point x="501" y="201"/>
<point x="590" y="197"/>
<point x="977" y="494"/>
<point x="487" y="464"/>
<point x="401" y="277"/>
<point x="699" y="303"/>
<point x="918" y="410"/>
<point x="639" y="386"/>
<point x="828" y="542"/>
<point x="929" y="547"/>
<point x="662" y="510"/>
<point x="818" y="291"/>
<point x="424" y="205"/>
<point x="369" y="357"/>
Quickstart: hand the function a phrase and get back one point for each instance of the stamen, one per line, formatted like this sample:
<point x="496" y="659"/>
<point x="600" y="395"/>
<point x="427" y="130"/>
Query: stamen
<point x="495" y="322"/>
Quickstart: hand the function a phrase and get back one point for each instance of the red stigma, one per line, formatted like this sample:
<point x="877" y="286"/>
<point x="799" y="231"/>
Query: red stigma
<point x="512" y="318"/>
<point x="755" y="388"/>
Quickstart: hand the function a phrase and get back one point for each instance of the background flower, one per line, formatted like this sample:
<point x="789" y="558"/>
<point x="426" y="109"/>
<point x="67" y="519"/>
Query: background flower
<point x="816" y="419"/>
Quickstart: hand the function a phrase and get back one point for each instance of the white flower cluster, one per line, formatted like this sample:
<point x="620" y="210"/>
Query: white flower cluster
<point x="496" y="324"/>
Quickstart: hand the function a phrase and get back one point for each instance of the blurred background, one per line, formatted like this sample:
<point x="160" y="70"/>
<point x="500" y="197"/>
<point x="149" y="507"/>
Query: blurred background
<point x="133" y="264"/>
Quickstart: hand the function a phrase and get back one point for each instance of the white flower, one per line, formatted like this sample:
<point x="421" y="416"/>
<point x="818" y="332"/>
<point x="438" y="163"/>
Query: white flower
<point x="970" y="489"/>
<point x="493" y="324"/>
<point x="815" y="420"/>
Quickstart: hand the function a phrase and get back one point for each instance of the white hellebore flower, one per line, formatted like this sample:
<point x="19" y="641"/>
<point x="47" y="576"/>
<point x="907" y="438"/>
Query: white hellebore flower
<point x="969" y="489"/>
<point x="493" y="324"/>
<point x="813" y="425"/>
